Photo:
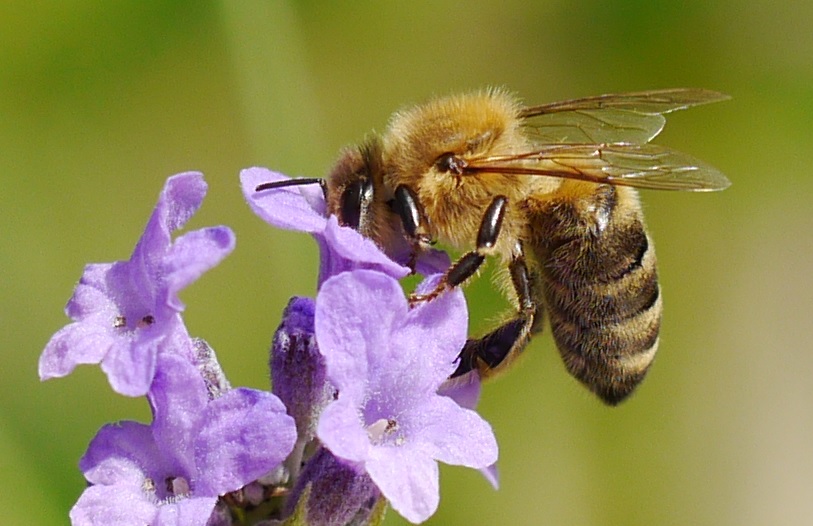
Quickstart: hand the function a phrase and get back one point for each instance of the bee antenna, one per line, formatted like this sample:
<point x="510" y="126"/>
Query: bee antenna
<point x="290" y="182"/>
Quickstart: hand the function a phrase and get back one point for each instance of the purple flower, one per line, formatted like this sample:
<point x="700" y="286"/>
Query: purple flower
<point x="303" y="208"/>
<point x="465" y="390"/>
<point x="338" y="494"/>
<point x="125" y="311"/>
<point x="298" y="369"/>
<point x="172" y="471"/>
<point x="388" y="362"/>
<point x="298" y="375"/>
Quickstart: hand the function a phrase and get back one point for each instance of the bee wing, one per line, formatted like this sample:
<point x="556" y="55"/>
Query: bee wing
<point x="625" y="117"/>
<point x="639" y="165"/>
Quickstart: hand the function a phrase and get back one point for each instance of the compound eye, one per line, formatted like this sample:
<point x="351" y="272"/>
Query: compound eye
<point x="451" y="163"/>
<point x="355" y="200"/>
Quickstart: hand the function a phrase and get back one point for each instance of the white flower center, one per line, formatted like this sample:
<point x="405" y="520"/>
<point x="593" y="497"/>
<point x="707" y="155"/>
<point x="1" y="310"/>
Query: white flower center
<point x="380" y="430"/>
<point x="178" y="486"/>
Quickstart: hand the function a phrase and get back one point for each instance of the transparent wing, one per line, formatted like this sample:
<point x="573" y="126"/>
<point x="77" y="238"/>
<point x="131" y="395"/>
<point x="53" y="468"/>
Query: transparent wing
<point x="638" y="165"/>
<point x="625" y="117"/>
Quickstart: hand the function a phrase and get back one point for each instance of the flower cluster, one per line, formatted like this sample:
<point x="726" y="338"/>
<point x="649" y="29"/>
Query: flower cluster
<point x="359" y="413"/>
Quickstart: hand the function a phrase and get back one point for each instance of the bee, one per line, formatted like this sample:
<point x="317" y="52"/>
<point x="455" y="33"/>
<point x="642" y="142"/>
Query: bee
<point x="550" y="190"/>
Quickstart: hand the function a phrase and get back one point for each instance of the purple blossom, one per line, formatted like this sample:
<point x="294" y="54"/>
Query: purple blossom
<point x="172" y="471"/>
<point x="303" y="208"/>
<point x="388" y="362"/>
<point x="298" y="374"/>
<point x="360" y="374"/>
<point x="465" y="390"/>
<point x="339" y="495"/>
<point x="125" y="311"/>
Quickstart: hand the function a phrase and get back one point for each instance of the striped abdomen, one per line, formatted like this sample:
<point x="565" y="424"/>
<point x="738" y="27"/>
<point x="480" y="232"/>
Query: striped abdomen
<point x="599" y="284"/>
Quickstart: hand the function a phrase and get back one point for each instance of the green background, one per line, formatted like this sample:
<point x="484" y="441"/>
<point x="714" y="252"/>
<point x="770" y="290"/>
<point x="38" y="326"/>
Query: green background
<point x="101" y="101"/>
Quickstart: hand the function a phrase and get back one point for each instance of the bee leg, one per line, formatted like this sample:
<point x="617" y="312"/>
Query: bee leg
<point x="414" y="222"/>
<point x="469" y="263"/>
<point x="501" y="345"/>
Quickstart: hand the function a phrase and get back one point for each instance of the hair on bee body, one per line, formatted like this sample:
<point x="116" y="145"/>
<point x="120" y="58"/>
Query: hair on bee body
<point x="550" y="191"/>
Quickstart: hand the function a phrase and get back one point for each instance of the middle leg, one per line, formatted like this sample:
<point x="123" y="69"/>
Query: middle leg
<point x="499" y="347"/>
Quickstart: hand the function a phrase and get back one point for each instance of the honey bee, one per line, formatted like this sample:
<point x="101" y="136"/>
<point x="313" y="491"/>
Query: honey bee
<point x="550" y="190"/>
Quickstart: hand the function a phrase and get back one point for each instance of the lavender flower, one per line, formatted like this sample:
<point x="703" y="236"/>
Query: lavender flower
<point x="172" y="471"/>
<point x="298" y="374"/>
<point x="298" y="369"/>
<point x="303" y="208"/>
<point x="465" y="390"/>
<point x="361" y="375"/>
<point x="337" y="494"/>
<point x="387" y="362"/>
<point x="124" y="311"/>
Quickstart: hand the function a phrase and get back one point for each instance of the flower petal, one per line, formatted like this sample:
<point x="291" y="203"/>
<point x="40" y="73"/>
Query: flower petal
<point x="245" y="435"/>
<point x="350" y="250"/>
<point x="190" y="256"/>
<point x="183" y="194"/>
<point x="341" y="431"/>
<point x="455" y="435"/>
<point x="121" y="504"/>
<point x="432" y="261"/>
<point x="354" y="314"/>
<point x="130" y="365"/>
<point x="430" y="337"/>
<point x="465" y="390"/>
<point x="92" y="293"/>
<point x="178" y="398"/>
<point x="492" y="475"/>
<point x="83" y="342"/>
<point x="300" y="207"/>
<point x="189" y="511"/>
<point x="179" y="200"/>
<point x="407" y="479"/>
<point x="125" y="309"/>
<point x="120" y="453"/>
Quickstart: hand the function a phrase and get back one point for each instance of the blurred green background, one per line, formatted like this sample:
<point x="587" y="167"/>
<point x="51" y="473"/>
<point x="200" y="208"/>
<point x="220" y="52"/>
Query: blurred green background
<point x="101" y="101"/>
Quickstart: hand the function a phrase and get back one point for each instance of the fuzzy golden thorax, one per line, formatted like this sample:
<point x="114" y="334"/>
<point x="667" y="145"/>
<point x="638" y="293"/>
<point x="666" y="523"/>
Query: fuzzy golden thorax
<point x="471" y="126"/>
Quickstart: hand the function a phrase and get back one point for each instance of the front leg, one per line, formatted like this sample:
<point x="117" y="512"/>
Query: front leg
<point x="414" y="222"/>
<point x="470" y="262"/>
